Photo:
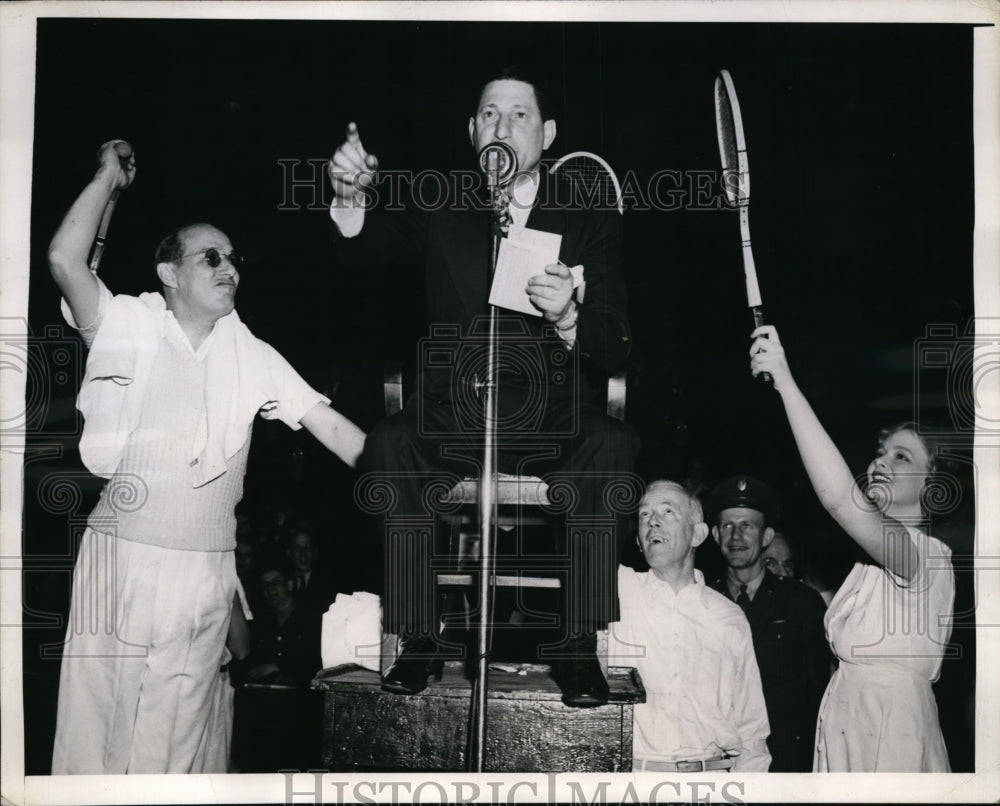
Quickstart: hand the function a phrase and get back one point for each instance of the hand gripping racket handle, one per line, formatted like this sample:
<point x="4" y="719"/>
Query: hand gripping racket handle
<point x="758" y="320"/>
<point x="124" y="154"/>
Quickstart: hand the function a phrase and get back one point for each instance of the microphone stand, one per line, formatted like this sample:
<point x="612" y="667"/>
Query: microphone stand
<point x="487" y="487"/>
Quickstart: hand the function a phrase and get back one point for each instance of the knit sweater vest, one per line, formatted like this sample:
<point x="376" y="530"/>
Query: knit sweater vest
<point x="150" y="499"/>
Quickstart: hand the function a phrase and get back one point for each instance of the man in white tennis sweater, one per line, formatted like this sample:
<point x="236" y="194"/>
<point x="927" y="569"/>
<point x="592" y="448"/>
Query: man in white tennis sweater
<point x="172" y="385"/>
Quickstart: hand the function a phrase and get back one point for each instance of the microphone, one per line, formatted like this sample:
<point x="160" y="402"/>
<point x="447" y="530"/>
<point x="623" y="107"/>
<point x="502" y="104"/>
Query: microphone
<point x="499" y="162"/>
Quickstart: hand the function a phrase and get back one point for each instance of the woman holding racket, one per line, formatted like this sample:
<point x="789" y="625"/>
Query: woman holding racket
<point x="891" y="619"/>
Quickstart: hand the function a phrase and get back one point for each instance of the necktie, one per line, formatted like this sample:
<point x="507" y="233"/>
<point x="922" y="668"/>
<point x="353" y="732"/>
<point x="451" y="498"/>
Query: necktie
<point x="301" y="582"/>
<point x="501" y="207"/>
<point x="743" y="600"/>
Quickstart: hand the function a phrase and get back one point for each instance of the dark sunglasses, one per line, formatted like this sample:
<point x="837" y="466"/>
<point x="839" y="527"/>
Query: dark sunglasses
<point x="213" y="257"/>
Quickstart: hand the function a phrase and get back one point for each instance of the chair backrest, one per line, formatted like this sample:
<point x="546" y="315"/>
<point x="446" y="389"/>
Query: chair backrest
<point x="392" y="387"/>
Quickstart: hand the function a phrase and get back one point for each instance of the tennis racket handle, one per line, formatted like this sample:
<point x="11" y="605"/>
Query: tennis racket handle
<point x="124" y="152"/>
<point x="758" y="320"/>
<point x="102" y="232"/>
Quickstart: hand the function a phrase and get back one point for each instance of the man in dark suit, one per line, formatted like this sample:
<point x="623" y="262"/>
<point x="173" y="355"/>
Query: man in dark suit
<point x="310" y="582"/>
<point x="786" y="619"/>
<point x="278" y="719"/>
<point x="548" y="424"/>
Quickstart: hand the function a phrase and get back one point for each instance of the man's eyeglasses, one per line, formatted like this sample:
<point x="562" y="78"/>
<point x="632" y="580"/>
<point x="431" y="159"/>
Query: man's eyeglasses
<point x="781" y="567"/>
<point x="213" y="257"/>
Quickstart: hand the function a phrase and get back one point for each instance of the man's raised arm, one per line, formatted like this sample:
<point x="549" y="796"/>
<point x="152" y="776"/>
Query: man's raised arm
<point x="71" y="244"/>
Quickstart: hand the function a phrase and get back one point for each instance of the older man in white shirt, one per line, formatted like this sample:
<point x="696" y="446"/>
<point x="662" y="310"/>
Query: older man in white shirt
<point x="693" y="648"/>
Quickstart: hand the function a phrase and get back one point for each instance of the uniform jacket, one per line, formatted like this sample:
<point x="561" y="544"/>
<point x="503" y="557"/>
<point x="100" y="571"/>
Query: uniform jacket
<point x="786" y="619"/>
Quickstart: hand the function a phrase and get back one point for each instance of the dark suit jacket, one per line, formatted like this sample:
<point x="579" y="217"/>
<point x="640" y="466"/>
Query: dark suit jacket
<point x="319" y="592"/>
<point x="294" y="646"/>
<point x="786" y="619"/>
<point x="451" y="244"/>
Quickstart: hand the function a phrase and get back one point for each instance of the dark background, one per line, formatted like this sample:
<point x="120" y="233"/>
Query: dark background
<point x="861" y="157"/>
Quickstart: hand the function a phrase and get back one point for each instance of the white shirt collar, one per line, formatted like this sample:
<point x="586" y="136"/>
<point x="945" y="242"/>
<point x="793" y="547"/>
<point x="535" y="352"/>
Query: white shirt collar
<point x="522" y="198"/>
<point x="697" y="588"/>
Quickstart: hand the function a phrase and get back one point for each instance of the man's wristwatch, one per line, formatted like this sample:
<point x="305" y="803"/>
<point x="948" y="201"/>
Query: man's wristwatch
<point x="568" y="320"/>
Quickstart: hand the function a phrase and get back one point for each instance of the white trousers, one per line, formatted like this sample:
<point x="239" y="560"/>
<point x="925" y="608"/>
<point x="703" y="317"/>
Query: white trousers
<point x="140" y="668"/>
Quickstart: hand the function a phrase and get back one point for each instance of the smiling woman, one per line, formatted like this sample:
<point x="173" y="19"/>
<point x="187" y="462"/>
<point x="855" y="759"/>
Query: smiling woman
<point x="890" y="621"/>
<point x="902" y="471"/>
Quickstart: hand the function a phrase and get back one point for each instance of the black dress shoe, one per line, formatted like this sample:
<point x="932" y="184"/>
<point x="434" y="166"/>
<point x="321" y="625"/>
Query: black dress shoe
<point x="581" y="679"/>
<point x="418" y="660"/>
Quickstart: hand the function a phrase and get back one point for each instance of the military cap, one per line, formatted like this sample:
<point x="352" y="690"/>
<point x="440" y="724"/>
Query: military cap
<point x="743" y="491"/>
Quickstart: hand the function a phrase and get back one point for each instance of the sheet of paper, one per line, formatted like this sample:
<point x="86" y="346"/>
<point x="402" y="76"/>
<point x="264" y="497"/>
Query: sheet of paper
<point x="523" y="254"/>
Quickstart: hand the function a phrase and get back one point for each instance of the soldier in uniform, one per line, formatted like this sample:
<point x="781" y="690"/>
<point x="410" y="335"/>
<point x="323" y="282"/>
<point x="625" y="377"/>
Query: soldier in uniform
<point x="785" y="615"/>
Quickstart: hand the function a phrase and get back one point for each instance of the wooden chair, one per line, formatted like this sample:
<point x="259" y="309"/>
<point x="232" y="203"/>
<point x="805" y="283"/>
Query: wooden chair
<point x="514" y="494"/>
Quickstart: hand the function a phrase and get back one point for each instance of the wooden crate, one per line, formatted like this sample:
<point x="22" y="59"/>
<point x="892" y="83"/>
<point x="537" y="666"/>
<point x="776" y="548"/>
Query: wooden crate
<point x="528" y="728"/>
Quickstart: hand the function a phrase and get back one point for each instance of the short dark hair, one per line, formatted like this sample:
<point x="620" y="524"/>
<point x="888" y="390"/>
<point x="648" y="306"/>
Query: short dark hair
<point x="301" y="528"/>
<point x="171" y="248"/>
<point x="272" y="560"/>
<point x="524" y="74"/>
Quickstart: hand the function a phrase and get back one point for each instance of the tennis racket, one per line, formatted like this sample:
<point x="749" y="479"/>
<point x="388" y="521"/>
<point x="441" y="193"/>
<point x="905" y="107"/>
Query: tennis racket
<point x="736" y="183"/>
<point x="124" y="154"/>
<point x="589" y="180"/>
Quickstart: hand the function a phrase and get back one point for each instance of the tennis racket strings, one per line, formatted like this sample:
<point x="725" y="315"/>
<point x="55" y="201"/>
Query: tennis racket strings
<point x="586" y="181"/>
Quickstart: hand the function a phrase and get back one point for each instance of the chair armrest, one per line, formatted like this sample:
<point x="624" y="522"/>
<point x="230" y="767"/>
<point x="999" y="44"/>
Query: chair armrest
<point x="616" y="395"/>
<point x="392" y="382"/>
<point x="392" y="387"/>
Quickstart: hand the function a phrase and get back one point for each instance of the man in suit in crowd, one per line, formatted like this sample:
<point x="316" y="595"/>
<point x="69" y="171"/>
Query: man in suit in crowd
<point x="779" y="557"/>
<point x="278" y="721"/>
<point x="311" y="585"/>
<point x="548" y="424"/>
<point x="786" y="619"/>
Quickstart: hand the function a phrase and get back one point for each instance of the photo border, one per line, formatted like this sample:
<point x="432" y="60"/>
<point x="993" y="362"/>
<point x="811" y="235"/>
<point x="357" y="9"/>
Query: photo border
<point x="17" y="52"/>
